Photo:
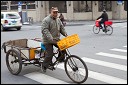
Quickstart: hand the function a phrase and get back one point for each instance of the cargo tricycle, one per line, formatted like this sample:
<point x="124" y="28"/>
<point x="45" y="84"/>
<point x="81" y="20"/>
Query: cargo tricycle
<point x="32" y="51"/>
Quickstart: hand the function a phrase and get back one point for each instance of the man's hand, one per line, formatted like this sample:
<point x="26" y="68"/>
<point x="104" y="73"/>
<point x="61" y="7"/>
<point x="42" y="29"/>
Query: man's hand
<point x="54" y="41"/>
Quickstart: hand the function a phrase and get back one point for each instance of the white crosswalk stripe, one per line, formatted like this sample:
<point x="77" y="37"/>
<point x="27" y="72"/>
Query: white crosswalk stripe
<point x="103" y="77"/>
<point x="106" y="78"/>
<point x="44" y="79"/>
<point x="106" y="64"/>
<point x="124" y="46"/>
<point x="112" y="55"/>
<point x="119" y="50"/>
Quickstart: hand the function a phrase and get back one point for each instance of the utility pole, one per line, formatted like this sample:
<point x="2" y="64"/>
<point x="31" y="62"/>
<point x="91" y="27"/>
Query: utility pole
<point x="119" y="2"/>
<point x="26" y="3"/>
<point x="20" y="9"/>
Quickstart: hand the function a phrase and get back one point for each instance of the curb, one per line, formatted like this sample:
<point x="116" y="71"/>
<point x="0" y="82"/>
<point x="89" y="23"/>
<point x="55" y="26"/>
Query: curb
<point x="74" y="24"/>
<point x="120" y="22"/>
<point x="77" y="24"/>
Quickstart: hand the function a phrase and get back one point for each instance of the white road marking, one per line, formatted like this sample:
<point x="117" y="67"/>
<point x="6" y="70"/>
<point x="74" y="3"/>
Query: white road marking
<point x="124" y="26"/>
<point x="112" y="55"/>
<point x="106" y="64"/>
<point x="106" y="78"/>
<point x="44" y="79"/>
<point x="90" y="25"/>
<point x="99" y="76"/>
<point x="125" y="46"/>
<point x="119" y="50"/>
<point x="32" y="26"/>
<point x="117" y="25"/>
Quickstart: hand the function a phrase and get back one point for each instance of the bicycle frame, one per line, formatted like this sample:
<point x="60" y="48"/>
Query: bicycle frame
<point x="67" y="55"/>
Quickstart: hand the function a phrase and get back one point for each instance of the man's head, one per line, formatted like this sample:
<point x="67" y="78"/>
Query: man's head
<point x="54" y="12"/>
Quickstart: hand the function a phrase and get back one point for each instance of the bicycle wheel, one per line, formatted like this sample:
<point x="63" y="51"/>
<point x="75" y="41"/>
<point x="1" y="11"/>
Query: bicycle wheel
<point x="13" y="62"/>
<point x="96" y="30"/>
<point x="109" y="30"/>
<point x="76" y="69"/>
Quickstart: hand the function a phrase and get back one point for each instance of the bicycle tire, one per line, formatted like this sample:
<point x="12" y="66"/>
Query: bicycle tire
<point x="19" y="61"/>
<point x="68" y="74"/>
<point x="108" y="30"/>
<point x="97" y="28"/>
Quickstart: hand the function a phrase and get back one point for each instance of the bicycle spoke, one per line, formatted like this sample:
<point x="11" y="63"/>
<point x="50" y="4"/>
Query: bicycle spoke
<point x="71" y="72"/>
<point x="13" y="62"/>
<point x="74" y="75"/>
<point x="109" y="30"/>
<point x="96" y="30"/>
<point x="81" y="72"/>
<point x="78" y="75"/>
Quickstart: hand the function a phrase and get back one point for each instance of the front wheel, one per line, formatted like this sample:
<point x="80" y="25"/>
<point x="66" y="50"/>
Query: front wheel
<point x="76" y="69"/>
<point x="96" y="30"/>
<point x="13" y="61"/>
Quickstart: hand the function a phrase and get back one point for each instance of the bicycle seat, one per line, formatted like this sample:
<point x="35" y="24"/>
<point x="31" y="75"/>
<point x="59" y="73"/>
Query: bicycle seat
<point x="42" y="46"/>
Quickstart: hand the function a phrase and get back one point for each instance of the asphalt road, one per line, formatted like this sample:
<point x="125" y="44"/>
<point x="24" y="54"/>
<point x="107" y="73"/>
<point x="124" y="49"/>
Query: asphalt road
<point x="105" y="56"/>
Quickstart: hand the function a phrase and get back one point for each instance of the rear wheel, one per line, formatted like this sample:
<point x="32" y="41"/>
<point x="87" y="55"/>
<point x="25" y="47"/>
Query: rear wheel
<point x="109" y="30"/>
<point x="96" y="30"/>
<point x="18" y="28"/>
<point x="76" y="69"/>
<point x="13" y="61"/>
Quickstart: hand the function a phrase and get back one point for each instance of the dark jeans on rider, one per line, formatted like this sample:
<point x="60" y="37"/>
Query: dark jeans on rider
<point x="101" y="22"/>
<point x="49" y="54"/>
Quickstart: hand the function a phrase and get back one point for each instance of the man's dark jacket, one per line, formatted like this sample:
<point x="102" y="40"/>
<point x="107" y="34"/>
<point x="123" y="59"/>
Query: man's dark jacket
<point x="104" y="17"/>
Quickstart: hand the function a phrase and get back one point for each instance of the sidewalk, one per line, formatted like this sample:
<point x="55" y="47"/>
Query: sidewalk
<point x="82" y="22"/>
<point x="119" y="21"/>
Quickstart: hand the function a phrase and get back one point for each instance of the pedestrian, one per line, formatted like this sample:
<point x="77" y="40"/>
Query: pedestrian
<point x="52" y="27"/>
<point x="62" y="18"/>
